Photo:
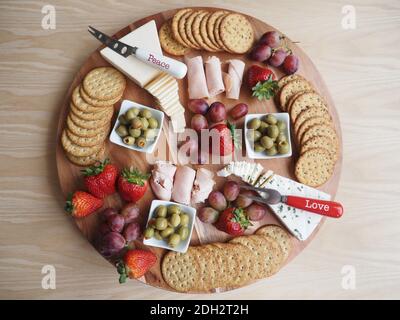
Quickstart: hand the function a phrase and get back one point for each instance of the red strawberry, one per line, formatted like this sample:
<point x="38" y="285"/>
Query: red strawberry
<point x="135" y="264"/>
<point x="81" y="204"/>
<point x="262" y="82"/>
<point x="227" y="138"/>
<point x="233" y="221"/>
<point x="100" y="179"/>
<point x="132" y="184"/>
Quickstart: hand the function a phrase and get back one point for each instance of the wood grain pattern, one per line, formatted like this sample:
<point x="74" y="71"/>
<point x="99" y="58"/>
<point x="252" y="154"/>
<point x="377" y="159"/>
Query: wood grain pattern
<point x="360" y="68"/>
<point x="71" y="178"/>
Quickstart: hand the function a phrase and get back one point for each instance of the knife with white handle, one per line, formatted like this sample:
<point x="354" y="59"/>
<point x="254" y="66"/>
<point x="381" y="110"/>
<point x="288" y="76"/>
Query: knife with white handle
<point x="173" y="67"/>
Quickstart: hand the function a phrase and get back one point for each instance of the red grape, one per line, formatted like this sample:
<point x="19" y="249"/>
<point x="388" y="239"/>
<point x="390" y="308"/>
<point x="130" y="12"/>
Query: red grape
<point x="198" y="106"/>
<point x="255" y="212"/>
<point x="217" y="112"/>
<point x="277" y="58"/>
<point x="116" y="222"/>
<point x="260" y="52"/>
<point x="111" y="244"/>
<point x="238" y="111"/>
<point x="217" y="200"/>
<point x="208" y="215"/>
<point x="107" y="212"/>
<point x="242" y="201"/>
<point x="270" y="38"/>
<point x="199" y="122"/>
<point x="231" y="190"/>
<point x="291" y="64"/>
<point x="104" y="228"/>
<point x="132" y="231"/>
<point x="130" y="212"/>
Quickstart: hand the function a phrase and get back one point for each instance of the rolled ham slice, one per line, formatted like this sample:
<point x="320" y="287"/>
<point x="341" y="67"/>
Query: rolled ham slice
<point x="215" y="84"/>
<point x="202" y="186"/>
<point x="182" y="190"/>
<point x="233" y="79"/>
<point x="197" y="85"/>
<point x="162" y="177"/>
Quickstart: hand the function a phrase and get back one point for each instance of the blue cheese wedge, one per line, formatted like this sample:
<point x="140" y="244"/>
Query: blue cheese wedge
<point x="299" y="222"/>
<point x="263" y="179"/>
<point x="248" y="172"/>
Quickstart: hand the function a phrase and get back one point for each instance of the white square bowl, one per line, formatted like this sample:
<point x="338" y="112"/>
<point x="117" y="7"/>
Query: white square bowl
<point x="125" y="106"/>
<point x="183" y="245"/>
<point x="282" y="116"/>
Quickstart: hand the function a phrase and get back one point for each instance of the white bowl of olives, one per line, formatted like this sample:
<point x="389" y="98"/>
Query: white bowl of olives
<point x="267" y="136"/>
<point x="137" y="127"/>
<point x="169" y="225"/>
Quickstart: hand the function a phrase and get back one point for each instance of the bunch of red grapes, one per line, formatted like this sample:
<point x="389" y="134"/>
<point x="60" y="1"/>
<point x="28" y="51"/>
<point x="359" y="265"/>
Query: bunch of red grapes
<point x="117" y="229"/>
<point x="269" y="49"/>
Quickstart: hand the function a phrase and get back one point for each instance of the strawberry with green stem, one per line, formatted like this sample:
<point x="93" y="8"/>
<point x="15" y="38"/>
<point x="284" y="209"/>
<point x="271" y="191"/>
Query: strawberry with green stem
<point x="262" y="82"/>
<point x="227" y="137"/>
<point x="132" y="184"/>
<point x="135" y="264"/>
<point x="81" y="204"/>
<point x="100" y="179"/>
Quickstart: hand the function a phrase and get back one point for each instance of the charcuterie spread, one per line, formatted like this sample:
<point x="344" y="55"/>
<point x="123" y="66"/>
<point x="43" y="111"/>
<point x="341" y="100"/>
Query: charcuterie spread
<point x="199" y="149"/>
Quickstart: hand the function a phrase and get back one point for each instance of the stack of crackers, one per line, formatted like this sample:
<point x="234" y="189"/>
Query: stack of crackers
<point x="91" y="110"/>
<point x="228" y="265"/>
<point x="211" y="31"/>
<point x="313" y="128"/>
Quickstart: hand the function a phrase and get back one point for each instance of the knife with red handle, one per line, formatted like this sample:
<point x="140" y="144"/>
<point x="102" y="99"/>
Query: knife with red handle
<point x="323" y="207"/>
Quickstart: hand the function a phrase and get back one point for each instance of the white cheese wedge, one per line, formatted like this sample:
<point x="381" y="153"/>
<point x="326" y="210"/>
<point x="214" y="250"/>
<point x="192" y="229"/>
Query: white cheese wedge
<point x="146" y="37"/>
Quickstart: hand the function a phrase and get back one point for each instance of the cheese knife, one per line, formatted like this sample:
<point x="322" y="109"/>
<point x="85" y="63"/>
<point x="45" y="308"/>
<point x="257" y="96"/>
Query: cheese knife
<point x="173" y="67"/>
<point x="323" y="207"/>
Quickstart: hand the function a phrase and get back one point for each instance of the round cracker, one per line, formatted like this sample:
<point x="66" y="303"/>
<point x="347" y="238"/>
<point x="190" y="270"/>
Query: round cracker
<point x="236" y="33"/>
<point x="309" y="113"/>
<point x="89" y="160"/>
<point x="182" y="30"/>
<point x="314" y="167"/>
<point x="82" y="132"/>
<point x="304" y="101"/>
<point x="168" y="42"/>
<point x="75" y="149"/>
<point x="211" y="26"/>
<point x="88" y="141"/>
<point x="104" y="83"/>
<point x="200" y="33"/>
<point x="175" y="25"/>
<point x="293" y="98"/>
<point x="82" y="104"/>
<point x="102" y="113"/>
<point x="320" y="130"/>
<point x="280" y="236"/>
<point x="217" y="35"/>
<point x="290" y="89"/>
<point x="321" y="142"/>
<point x="309" y="123"/>
<point x="189" y="29"/>
<point x="286" y="79"/>
<point x="92" y="124"/>
<point x="95" y="102"/>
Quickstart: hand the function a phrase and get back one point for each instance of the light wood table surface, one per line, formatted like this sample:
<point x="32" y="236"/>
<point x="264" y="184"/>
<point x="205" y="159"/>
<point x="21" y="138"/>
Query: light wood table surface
<point x="361" y="68"/>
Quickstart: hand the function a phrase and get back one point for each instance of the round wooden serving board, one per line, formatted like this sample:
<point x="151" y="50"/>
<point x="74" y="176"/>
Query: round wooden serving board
<point x="71" y="179"/>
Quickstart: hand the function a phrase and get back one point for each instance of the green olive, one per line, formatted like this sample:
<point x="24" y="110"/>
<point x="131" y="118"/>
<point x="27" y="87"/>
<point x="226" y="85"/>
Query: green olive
<point x="122" y="131"/>
<point x="258" y="147"/>
<point x="271" y="152"/>
<point x="161" y="211"/>
<point x="136" y="123"/>
<point x="135" y="132"/>
<point x="122" y="120"/>
<point x="130" y="141"/>
<point x="174" y="209"/>
<point x="145" y="113"/>
<point x="283" y="147"/>
<point x="174" y="240"/>
<point x="270" y="119"/>
<point x="129" y="115"/>
<point x="174" y="220"/>
<point x="161" y="223"/>
<point x="157" y="235"/>
<point x="281" y="137"/>
<point x="272" y="131"/>
<point x="145" y="122"/>
<point x="253" y="135"/>
<point x="153" y="123"/>
<point x="148" y="233"/>
<point x="254" y="124"/>
<point x="149" y="134"/>
<point x="263" y="127"/>
<point x="141" y="142"/>
<point x="281" y="125"/>
<point x="183" y="232"/>
<point x="266" y="142"/>
<point x="167" y="232"/>
<point x="184" y="219"/>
